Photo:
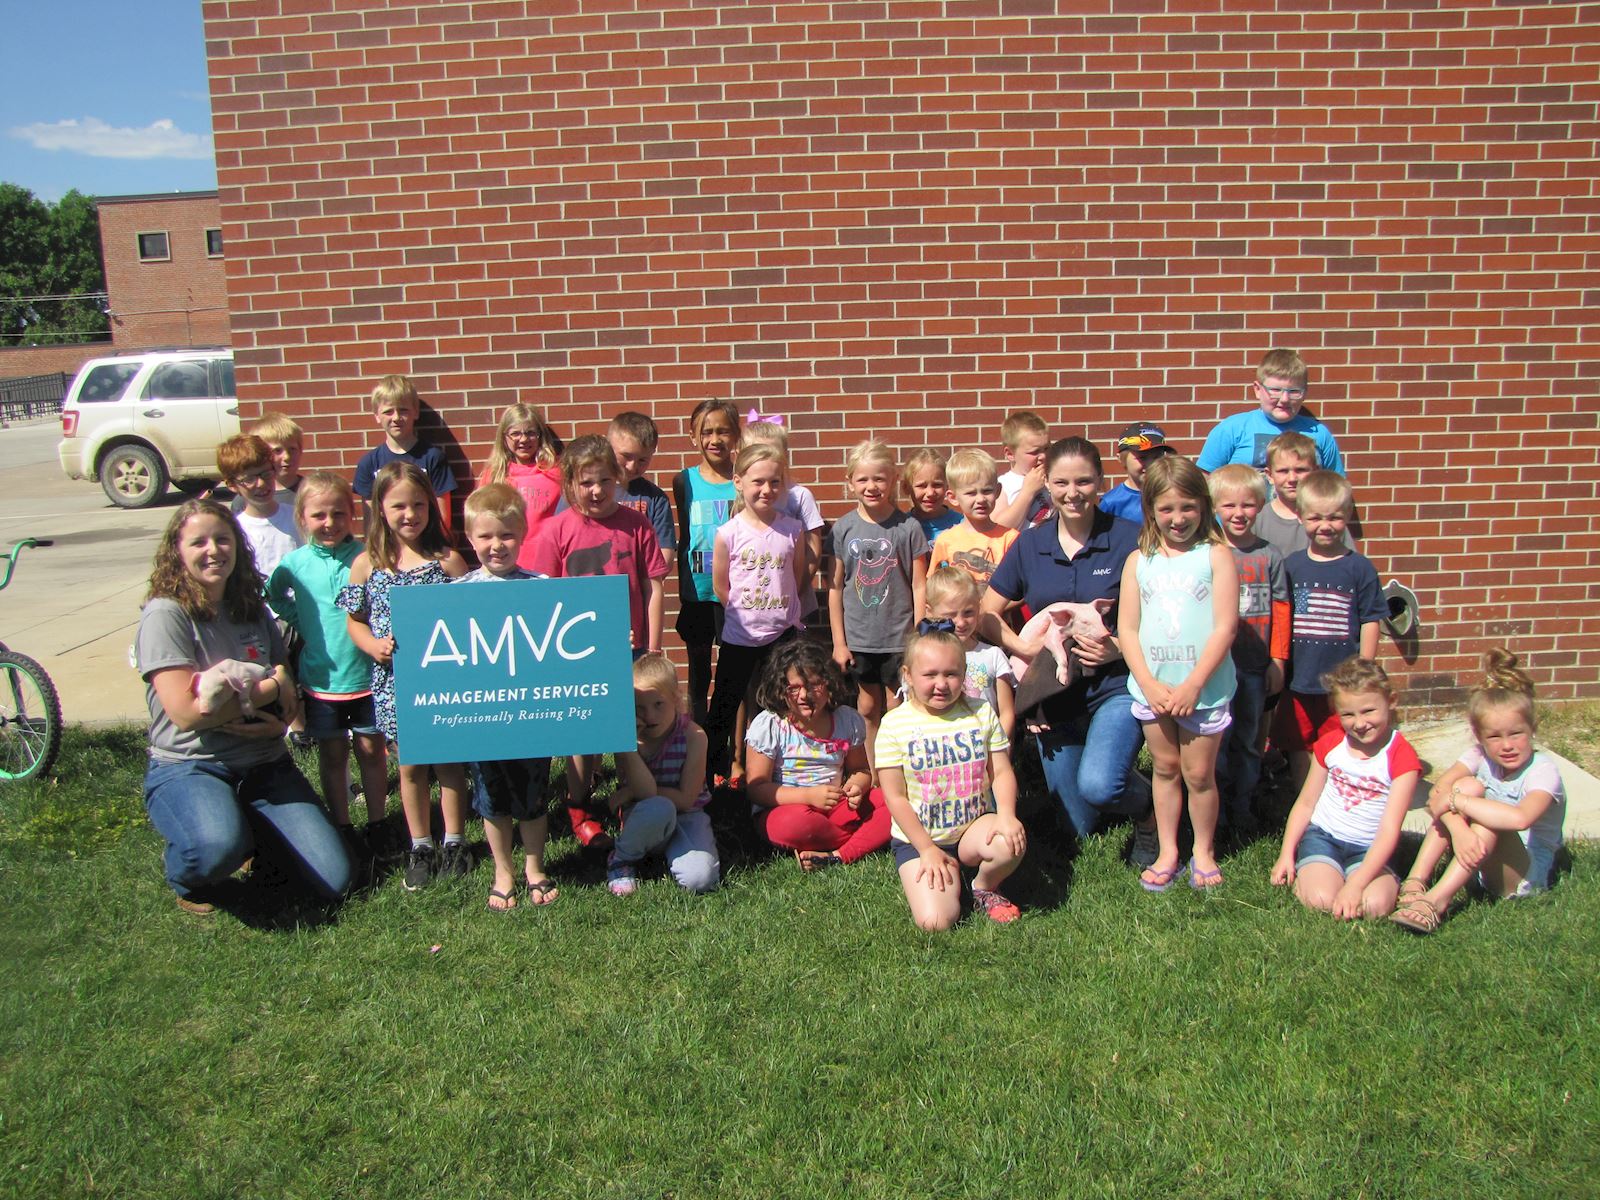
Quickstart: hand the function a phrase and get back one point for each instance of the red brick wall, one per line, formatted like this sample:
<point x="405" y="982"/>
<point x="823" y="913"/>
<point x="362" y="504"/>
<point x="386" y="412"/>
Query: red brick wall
<point x="909" y="218"/>
<point x="180" y="302"/>
<point x="18" y="361"/>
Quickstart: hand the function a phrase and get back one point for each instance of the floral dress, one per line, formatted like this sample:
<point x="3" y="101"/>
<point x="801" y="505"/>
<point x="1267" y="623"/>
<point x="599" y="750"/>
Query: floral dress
<point x="371" y="601"/>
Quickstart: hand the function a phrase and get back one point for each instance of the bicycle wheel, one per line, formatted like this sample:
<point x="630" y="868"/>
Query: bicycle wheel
<point x="30" y="718"/>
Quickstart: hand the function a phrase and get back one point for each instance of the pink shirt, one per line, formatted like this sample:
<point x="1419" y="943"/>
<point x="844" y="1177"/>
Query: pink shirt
<point x="762" y="601"/>
<point x="540" y="489"/>
<point x="571" y="544"/>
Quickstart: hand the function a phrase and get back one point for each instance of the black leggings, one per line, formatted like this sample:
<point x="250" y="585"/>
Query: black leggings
<point x="736" y="667"/>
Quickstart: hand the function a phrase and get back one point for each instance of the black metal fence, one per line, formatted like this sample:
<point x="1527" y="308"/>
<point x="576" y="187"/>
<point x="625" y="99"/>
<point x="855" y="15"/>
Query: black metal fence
<point x="30" y="396"/>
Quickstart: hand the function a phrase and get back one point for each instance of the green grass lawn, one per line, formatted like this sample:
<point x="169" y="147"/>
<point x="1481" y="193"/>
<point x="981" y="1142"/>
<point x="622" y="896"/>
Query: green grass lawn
<point x="789" y="1035"/>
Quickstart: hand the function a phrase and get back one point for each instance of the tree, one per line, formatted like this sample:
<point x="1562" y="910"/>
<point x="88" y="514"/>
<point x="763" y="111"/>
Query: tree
<point x="49" y="251"/>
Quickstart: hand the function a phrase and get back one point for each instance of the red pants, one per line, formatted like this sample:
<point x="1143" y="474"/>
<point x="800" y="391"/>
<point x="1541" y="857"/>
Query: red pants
<point x="850" y="832"/>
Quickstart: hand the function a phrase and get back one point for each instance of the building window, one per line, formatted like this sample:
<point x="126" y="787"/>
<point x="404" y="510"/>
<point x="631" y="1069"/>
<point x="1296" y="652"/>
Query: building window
<point x="213" y="243"/>
<point x="153" y="247"/>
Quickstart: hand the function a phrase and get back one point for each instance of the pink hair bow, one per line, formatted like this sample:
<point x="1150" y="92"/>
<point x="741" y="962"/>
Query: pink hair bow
<point x="753" y="416"/>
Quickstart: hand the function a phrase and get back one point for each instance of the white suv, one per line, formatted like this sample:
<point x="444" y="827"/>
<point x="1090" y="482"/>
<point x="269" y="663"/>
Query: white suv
<point x="137" y="421"/>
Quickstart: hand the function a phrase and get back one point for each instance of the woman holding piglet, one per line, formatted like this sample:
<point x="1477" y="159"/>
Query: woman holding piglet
<point x="220" y="778"/>
<point x="1088" y="737"/>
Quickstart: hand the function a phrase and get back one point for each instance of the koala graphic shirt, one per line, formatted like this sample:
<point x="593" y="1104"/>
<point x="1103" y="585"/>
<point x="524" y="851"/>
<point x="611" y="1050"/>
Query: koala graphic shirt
<point x="877" y="561"/>
<point x="623" y="543"/>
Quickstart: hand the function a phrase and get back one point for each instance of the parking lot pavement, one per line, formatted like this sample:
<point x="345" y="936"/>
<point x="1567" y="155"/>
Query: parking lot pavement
<point x="74" y="606"/>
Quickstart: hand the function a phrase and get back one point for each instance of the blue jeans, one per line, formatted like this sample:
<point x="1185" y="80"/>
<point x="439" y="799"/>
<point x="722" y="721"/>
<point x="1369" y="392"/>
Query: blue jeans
<point x="212" y="817"/>
<point x="1239" y="760"/>
<point x="654" y="825"/>
<point x="1087" y="758"/>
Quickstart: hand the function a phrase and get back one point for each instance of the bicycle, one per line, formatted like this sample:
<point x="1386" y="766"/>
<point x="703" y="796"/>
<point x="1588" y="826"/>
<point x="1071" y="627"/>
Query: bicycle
<point x="30" y="709"/>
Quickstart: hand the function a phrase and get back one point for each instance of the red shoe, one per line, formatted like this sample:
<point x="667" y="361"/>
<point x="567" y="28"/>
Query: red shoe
<point x="591" y="834"/>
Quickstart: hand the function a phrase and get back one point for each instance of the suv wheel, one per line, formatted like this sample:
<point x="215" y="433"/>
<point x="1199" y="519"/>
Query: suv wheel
<point x="133" y="476"/>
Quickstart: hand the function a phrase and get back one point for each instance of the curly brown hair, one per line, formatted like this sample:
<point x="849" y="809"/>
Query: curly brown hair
<point x="811" y="661"/>
<point x="243" y="599"/>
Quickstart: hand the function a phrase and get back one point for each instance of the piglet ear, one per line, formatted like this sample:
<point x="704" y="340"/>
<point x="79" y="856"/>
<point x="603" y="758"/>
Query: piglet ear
<point x="1103" y="604"/>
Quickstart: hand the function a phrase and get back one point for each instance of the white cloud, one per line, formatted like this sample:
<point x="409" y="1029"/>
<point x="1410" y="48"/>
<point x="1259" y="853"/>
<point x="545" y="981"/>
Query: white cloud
<point x="92" y="136"/>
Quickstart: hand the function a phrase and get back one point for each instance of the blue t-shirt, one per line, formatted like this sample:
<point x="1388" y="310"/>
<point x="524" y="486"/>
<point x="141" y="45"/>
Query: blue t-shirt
<point x="1123" y="501"/>
<point x="1243" y="438"/>
<point x="1037" y="571"/>
<point x="1329" y="602"/>
<point x="428" y="459"/>
<point x="932" y="527"/>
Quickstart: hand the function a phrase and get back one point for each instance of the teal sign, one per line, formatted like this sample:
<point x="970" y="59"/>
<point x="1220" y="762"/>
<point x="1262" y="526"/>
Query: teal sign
<point x="528" y="668"/>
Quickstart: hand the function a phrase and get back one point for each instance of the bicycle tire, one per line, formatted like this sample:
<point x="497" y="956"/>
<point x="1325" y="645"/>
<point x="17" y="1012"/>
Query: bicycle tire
<point x="30" y="719"/>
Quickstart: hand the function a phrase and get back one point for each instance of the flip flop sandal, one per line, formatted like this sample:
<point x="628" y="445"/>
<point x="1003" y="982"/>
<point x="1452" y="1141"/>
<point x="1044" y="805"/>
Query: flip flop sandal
<point x="541" y="892"/>
<point x="1204" y="881"/>
<point x="509" y="898"/>
<point x="1160" y="881"/>
<point x="1418" y="916"/>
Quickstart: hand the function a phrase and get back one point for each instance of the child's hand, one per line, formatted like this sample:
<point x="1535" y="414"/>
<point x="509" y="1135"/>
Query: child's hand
<point x="618" y="800"/>
<point x="845" y="659"/>
<point x="938" y="868"/>
<point x="1182" y="699"/>
<point x="1159" y="697"/>
<point x="1469" y="847"/>
<point x="825" y="797"/>
<point x="853" y="792"/>
<point x="1274" y="677"/>
<point x="1439" y="799"/>
<point x="1033" y="480"/>
<point x="385" y="654"/>
<point x="1283" y="871"/>
<point x="1010" y="831"/>
<point x="1347" y="903"/>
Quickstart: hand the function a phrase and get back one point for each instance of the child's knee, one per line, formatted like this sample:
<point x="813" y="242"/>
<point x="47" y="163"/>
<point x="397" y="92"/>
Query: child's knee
<point x="1314" y="895"/>
<point x="697" y="871"/>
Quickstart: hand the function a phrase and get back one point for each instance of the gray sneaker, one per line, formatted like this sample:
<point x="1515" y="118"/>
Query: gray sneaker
<point x="1146" y="846"/>
<point x="421" y="865"/>
<point x="455" y="862"/>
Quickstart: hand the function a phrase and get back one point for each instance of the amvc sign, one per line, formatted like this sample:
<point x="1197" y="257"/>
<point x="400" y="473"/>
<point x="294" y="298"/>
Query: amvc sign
<point x="518" y="669"/>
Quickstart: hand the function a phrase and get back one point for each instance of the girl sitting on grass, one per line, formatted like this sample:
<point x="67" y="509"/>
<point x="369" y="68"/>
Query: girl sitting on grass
<point x="944" y="764"/>
<point x="806" y="762"/>
<point x="1499" y="809"/>
<point x="1345" y="826"/>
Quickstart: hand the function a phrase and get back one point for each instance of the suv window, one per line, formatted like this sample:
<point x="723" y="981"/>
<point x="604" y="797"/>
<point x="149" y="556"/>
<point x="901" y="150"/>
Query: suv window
<point x="106" y="382"/>
<point x="178" y="380"/>
<point x="222" y="374"/>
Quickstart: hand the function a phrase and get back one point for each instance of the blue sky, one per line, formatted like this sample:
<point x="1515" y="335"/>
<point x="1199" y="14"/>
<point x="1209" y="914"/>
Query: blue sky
<point x="106" y="97"/>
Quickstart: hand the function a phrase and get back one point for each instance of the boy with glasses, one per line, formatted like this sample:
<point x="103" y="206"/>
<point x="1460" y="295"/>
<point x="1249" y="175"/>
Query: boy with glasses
<point x="1280" y="392"/>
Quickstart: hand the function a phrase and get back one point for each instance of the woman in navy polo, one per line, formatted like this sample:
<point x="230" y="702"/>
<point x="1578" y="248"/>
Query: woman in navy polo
<point x="1092" y="738"/>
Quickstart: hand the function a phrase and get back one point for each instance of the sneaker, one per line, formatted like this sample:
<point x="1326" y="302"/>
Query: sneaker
<point x="421" y="864"/>
<point x="455" y="862"/>
<point x="994" y="906"/>
<point x="1146" y="847"/>
<point x="621" y="877"/>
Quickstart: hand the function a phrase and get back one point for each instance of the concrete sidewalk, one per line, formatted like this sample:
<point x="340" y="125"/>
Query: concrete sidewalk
<point x="1440" y="743"/>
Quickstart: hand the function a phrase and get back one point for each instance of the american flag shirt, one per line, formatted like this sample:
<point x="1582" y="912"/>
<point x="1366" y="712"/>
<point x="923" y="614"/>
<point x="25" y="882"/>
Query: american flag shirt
<point x="1330" y="602"/>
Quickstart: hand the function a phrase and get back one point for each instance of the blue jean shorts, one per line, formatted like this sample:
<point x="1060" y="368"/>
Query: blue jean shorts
<point x="518" y="788"/>
<point x="328" y="720"/>
<point x="1317" y="845"/>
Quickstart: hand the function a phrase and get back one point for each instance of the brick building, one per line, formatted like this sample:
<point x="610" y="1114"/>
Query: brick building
<point x="909" y="218"/>
<point x="164" y="275"/>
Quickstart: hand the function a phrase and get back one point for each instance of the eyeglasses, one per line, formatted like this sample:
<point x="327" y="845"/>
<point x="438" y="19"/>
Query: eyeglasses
<point x="1283" y="393"/>
<point x="257" y="477"/>
<point x="800" y="689"/>
<point x="519" y="435"/>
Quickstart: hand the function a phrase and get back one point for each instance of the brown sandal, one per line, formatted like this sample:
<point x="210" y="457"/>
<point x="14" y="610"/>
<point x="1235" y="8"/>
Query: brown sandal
<point x="1410" y="889"/>
<point x="1417" y="916"/>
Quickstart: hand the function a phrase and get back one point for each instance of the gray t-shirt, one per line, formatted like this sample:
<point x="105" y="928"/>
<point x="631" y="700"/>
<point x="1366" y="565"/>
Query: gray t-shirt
<point x="1288" y="536"/>
<point x="484" y="575"/>
<point x="877" y="563"/>
<point x="169" y="638"/>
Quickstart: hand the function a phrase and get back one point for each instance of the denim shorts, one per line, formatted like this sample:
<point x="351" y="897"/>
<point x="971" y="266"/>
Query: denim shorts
<point x="1317" y="845"/>
<point x="880" y="669"/>
<point x="327" y="720"/>
<point x="518" y="788"/>
<point x="905" y="852"/>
